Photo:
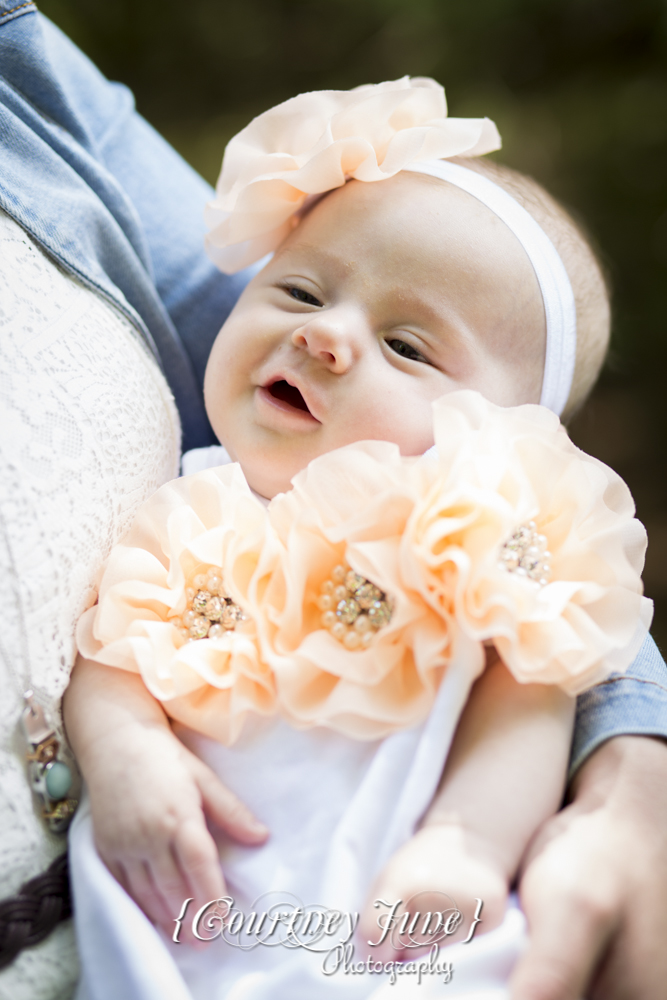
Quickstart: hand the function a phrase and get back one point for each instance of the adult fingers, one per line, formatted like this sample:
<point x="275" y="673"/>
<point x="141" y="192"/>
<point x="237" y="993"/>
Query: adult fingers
<point x="226" y="809"/>
<point x="636" y="964"/>
<point x="569" y="933"/>
<point x="594" y="884"/>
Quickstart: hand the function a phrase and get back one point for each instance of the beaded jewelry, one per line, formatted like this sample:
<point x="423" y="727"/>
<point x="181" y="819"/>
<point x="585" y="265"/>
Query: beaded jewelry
<point x="525" y="553"/>
<point x="210" y="611"/>
<point x="354" y="608"/>
<point x="50" y="777"/>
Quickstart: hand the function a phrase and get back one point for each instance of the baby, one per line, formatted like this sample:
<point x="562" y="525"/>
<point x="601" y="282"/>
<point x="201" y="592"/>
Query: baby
<point x="384" y="297"/>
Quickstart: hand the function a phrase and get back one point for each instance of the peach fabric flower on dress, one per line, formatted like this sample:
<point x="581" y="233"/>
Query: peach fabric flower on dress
<point x="315" y="142"/>
<point x="198" y="530"/>
<point x="529" y="542"/>
<point x="349" y="509"/>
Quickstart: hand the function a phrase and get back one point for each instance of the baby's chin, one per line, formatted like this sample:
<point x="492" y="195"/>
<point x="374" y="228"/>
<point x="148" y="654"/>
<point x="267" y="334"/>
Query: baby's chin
<point x="269" y="471"/>
<point x="269" y="479"/>
<point x="265" y="482"/>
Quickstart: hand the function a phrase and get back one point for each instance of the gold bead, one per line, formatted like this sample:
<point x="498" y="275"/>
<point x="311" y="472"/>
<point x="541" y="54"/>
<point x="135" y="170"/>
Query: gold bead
<point x="363" y="624"/>
<point x="368" y="594"/>
<point x="231" y="614"/>
<point x="214" y="608"/>
<point x="348" y="611"/>
<point x="199" y="628"/>
<point x="352" y="640"/>
<point x="353" y="581"/>
<point x="200" y="600"/>
<point x="379" y="614"/>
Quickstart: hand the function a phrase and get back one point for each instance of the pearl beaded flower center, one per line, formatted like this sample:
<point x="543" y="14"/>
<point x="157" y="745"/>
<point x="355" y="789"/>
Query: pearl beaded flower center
<point x="525" y="553"/>
<point x="354" y="609"/>
<point x="210" y="611"/>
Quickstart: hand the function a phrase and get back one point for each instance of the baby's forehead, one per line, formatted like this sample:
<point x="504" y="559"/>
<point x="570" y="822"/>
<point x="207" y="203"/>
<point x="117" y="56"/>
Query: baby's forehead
<point x="408" y="193"/>
<point x="415" y="230"/>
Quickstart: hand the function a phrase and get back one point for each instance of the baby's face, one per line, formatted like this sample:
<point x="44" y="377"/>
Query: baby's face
<point x="385" y="297"/>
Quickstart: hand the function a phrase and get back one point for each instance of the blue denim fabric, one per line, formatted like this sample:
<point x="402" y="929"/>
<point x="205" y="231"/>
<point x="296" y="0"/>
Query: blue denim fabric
<point x="109" y="199"/>
<point x="631" y="703"/>
<point x="106" y="196"/>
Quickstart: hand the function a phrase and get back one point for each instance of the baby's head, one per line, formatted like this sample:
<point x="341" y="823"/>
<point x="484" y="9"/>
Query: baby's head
<point x="383" y="298"/>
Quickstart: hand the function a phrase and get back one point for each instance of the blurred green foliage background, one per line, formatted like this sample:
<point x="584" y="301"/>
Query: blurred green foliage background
<point x="578" y="89"/>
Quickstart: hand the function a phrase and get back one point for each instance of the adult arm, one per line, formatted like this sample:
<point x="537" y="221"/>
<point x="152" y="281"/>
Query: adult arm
<point x="110" y="201"/>
<point x="633" y="703"/>
<point x="166" y="194"/>
<point x="595" y="883"/>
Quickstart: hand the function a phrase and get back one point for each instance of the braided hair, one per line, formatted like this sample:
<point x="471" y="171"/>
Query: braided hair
<point x="30" y="916"/>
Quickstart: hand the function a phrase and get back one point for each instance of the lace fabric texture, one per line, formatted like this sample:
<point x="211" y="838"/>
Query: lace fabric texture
<point x="88" y="430"/>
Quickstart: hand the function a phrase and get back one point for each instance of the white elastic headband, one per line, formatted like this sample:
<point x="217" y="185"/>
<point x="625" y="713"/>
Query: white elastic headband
<point x="559" y="308"/>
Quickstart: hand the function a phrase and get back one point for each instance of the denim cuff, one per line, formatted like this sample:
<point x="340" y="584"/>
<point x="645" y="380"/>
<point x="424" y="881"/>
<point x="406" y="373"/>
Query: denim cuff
<point x="629" y="704"/>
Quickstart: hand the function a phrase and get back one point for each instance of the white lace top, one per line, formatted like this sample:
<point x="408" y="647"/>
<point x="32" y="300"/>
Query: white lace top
<point x="88" y="430"/>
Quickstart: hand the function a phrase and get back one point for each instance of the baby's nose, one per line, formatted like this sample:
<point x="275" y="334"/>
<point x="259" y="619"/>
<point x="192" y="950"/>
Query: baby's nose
<point x="330" y="341"/>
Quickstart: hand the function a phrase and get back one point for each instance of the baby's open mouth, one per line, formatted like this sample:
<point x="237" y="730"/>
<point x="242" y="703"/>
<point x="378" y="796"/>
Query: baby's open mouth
<point x="289" y="394"/>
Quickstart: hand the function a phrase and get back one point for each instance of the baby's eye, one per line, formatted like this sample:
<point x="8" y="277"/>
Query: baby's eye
<point x="301" y="296"/>
<point x="407" y="351"/>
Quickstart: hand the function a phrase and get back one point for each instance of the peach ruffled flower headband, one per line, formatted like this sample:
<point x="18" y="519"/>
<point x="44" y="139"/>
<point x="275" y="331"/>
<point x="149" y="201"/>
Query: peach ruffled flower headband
<point x="316" y="142"/>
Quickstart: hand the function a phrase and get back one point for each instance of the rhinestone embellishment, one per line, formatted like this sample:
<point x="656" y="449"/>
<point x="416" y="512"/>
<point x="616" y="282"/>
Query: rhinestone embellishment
<point x="525" y="553"/>
<point x="354" y="609"/>
<point x="210" y="611"/>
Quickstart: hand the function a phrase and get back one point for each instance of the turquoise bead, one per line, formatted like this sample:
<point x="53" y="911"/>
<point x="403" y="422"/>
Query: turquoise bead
<point x="58" y="780"/>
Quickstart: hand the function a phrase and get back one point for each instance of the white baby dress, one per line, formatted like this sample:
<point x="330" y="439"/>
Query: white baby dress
<point x="337" y="808"/>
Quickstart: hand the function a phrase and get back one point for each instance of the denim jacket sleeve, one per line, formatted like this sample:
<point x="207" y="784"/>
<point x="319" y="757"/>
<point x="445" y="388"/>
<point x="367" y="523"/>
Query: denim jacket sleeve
<point x="633" y="703"/>
<point x="110" y="200"/>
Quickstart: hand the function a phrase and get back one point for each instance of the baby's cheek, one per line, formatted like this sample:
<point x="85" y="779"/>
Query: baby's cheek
<point x="393" y="413"/>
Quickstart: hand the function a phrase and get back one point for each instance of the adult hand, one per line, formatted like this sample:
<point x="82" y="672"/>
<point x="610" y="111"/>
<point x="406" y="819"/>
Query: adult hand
<point x="594" y="883"/>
